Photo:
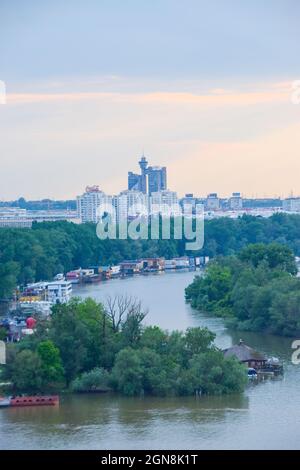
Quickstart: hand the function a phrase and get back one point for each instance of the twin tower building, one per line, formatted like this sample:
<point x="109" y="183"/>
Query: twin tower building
<point x="151" y="180"/>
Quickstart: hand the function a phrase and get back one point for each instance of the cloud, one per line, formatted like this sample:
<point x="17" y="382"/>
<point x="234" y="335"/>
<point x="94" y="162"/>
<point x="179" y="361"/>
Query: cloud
<point x="217" y="97"/>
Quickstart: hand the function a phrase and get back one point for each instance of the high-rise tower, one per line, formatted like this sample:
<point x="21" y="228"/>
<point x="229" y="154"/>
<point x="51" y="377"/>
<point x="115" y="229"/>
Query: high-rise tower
<point x="157" y="179"/>
<point x="143" y="181"/>
<point x="155" y="176"/>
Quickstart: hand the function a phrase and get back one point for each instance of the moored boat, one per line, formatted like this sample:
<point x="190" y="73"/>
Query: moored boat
<point x="30" y="400"/>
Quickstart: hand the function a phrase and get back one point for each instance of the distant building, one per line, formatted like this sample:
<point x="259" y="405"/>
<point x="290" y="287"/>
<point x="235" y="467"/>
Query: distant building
<point x="235" y="202"/>
<point x="53" y="215"/>
<point x="130" y="204"/>
<point x="89" y="203"/>
<point x="14" y="217"/>
<point x="292" y="204"/>
<point x="55" y="292"/>
<point x="151" y="179"/>
<point x="59" y="292"/>
<point x="246" y="355"/>
<point x="23" y="218"/>
<point x="157" y="179"/>
<point x="189" y="201"/>
<point x="164" y="203"/>
<point x="134" y="181"/>
<point x="143" y="179"/>
<point x="138" y="182"/>
<point x="131" y="266"/>
<point x="212" y="202"/>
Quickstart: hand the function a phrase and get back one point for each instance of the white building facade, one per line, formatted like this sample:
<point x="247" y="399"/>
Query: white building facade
<point x="292" y="204"/>
<point x="131" y="204"/>
<point x="165" y="203"/>
<point x="92" y="203"/>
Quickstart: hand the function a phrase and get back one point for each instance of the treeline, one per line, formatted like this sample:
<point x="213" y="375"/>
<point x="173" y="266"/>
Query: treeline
<point x="43" y="204"/>
<point x="89" y="347"/>
<point x="256" y="290"/>
<point x="28" y="255"/>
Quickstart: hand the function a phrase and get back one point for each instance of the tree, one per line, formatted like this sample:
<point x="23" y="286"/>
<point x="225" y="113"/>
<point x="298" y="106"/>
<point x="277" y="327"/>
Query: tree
<point x="211" y="373"/>
<point x="132" y="325"/>
<point x="117" y="308"/>
<point x="257" y="290"/>
<point x="154" y="338"/>
<point x="8" y="278"/>
<point x="198" y="340"/>
<point x="51" y="364"/>
<point x="275" y="255"/>
<point x="69" y="335"/>
<point x="128" y="372"/>
<point x="26" y="371"/>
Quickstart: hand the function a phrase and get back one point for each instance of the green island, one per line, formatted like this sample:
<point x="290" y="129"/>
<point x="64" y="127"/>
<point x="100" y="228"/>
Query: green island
<point x="255" y="290"/>
<point x="87" y="347"/>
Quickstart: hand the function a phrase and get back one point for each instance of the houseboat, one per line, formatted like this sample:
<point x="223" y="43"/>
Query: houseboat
<point x="29" y="400"/>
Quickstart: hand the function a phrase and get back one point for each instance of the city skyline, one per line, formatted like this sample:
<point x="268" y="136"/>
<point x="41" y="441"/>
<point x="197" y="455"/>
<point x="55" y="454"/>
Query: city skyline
<point x="203" y="91"/>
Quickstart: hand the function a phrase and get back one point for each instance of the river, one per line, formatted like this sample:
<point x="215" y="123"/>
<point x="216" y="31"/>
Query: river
<point x="266" y="416"/>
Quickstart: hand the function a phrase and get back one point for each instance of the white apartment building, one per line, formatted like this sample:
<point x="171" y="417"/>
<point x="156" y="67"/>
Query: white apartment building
<point x="55" y="292"/>
<point x="165" y="203"/>
<point x="89" y="204"/>
<point x="212" y="202"/>
<point x="130" y="204"/>
<point x="292" y="204"/>
<point x="59" y="292"/>
<point x="235" y="202"/>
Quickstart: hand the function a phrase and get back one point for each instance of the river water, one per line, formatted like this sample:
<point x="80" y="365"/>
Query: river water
<point x="266" y="416"/>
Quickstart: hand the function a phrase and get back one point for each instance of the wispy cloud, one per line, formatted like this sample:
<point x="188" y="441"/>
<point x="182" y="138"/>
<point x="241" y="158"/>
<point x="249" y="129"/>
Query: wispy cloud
<point x="276" y="93"/>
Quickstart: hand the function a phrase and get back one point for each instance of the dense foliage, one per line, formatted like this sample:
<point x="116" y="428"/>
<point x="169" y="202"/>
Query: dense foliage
<point x="28" y="255"/>
<point x="82" y="349"/>
<point x="256" y="290"/>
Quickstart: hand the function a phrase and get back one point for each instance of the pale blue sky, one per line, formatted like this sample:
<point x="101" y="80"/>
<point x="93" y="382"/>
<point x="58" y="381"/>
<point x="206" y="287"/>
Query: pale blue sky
<point x="202" y="86"/>
<point x="157" y="38"/>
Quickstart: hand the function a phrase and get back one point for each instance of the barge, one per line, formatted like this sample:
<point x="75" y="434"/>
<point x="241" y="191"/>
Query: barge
<point x="34" y="400"/>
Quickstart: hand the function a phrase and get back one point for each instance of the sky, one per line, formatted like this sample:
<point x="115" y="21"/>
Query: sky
<point x="204" y="88"/>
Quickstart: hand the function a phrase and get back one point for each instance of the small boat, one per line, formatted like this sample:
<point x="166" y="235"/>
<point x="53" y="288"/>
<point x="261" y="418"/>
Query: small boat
<point x="4" y="402"/>
<point x="30" y="400"/>
<point x="252" y="373"/>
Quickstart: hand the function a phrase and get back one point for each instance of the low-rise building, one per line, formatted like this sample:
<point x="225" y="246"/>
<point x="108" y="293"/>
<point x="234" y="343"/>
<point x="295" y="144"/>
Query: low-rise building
<point x="54" y="292"/>
<point x="153" y="264"/>
<point x="212" y="202"/>
<point x="291" y="204"/>
<point x="131" y="266"/>
<point x="165" y="203"/>
<point x="59" y="292"/>
<point x="235" y="202"/>
<point x="246" y="355"/>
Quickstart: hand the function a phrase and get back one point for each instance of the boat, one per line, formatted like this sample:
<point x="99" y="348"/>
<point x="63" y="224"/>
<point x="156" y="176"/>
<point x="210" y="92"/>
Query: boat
<point x="4" y="402"/>
<point x="29" y="400"/>
<point x="252" y="373"/>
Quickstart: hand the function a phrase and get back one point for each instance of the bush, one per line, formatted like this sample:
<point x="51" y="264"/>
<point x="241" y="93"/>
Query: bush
<point x="96" y="380"/>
